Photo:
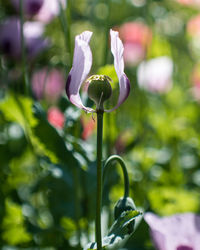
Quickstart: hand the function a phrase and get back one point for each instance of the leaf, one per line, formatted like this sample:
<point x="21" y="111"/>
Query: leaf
<point x="49" y="140"/>
<point x="17" y="108"/>
<point x="44" y="138"/>
<point x="119" y="232"/>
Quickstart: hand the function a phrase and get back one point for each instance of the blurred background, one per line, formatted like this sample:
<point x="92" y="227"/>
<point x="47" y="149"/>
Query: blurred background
<point x="47" y="145"/>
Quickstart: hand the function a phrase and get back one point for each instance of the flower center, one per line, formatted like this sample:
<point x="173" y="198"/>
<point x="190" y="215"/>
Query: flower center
<point x="184" y="248"/>
<point x="34" y="7"/>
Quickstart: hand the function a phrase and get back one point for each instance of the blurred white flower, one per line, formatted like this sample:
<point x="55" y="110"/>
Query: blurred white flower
<point x="155" y="75"/>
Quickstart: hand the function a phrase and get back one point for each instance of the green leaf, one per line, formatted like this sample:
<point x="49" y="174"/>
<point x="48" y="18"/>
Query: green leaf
<point x="119" y="232"/>
<point x="17" y="108"/>
<point x="43" y="137"/>
<point x="49" y="140"/>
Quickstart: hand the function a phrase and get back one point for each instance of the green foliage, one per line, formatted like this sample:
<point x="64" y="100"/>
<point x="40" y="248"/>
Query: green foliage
<point x="48" y="175"/>
<point x="14" y="231"/>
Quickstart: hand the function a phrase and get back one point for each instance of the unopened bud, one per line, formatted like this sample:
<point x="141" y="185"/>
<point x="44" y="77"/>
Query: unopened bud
<point x="123" y="204"/>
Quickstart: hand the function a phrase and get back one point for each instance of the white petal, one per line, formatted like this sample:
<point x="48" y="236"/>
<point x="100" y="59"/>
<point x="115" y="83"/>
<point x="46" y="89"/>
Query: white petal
<point x="117" y="50"/>
<point x="81" y="66"/>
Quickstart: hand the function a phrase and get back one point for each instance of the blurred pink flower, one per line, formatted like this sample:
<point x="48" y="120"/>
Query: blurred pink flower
<point x="10" y="38"/>
<point x="177" y="232"/>
<point x="155" y="75"/>
<point x="50" y="9"/>
<point x="195" y="79"/>
<point x="136" y="37"/>
<point x="48" y="84"/>
<point x="189" y="2"/>
<point x="88" y="128"/>
<point x="193" y="26"/>
<point x="30" y="7"/>
<point x="56" y="117"/>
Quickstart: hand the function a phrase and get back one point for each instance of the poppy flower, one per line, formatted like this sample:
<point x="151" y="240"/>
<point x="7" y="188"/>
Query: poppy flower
<point x="155" y="75"/>
<point x="55" y="117"/>
<point x="30" y="7"/>
<point x="82" y="62"/>
<point x="177" y="232"/>
<point x="136" y="38"/>
<point x="10" y="38"/>
<point x="48" y="84"/>
<point x="49" y="10"/>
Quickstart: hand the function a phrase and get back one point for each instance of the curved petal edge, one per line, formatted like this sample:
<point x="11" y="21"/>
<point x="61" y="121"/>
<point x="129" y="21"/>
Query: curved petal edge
<point x="117" y="50"/>
<point x="82" y="62"/>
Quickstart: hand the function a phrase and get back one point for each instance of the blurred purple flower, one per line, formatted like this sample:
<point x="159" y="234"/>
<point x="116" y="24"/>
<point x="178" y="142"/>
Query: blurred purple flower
<point x="155" y="75"/>
<point x="50" y="9"/>
<point x="10" y="38"/>
<point x="48" y="84"/>
<point x="82" y="63"/>
<point x="177" y="232"/>
<point x="30" y="7"/>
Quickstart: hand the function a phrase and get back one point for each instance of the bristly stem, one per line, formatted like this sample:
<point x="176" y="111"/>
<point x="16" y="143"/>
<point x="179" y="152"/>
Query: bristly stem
<point x="123" y="166"/>
<point x="24" y="65"/>
<point x="99" y="178"/>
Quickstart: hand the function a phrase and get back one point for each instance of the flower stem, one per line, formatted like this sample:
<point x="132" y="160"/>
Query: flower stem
<point x="76" y="203"/>
<point x="24" y="67"/>
<point x="65" y="20"/>
<point x="107" y="28"/>
<point x="99" y="178"/>
<point x="123" y="166"/>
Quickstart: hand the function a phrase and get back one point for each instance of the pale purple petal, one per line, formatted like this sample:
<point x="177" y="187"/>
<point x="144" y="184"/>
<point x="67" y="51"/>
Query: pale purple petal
<point x="49" y="10"/>
<point x="82" y="62"/>
<point x="117" y="50"/>
<point x="175" y="232"/>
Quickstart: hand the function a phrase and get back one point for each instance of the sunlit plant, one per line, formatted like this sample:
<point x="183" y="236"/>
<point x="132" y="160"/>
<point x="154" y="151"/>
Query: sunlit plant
<point x="99" y="90"/>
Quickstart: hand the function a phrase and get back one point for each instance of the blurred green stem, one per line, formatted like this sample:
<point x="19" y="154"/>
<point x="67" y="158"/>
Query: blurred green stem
<point x="76" y="202"/>
<point x="65" y="19"/>
<point x="125" y="172"/>
<point x="107" y="28"/>
<point x="24" y="64"/>
<point x="99" y="178"/>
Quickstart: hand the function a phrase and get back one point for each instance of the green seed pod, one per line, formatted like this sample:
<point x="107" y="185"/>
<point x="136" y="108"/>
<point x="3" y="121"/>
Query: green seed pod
<point x="99" y="89"/>
<point x="123" y="204"/>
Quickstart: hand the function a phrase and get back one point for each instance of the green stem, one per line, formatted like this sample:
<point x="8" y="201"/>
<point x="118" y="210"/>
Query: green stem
<point x="65" y="19"/>
<point x="107" y="28"/>
<point x="99" y="178"/>
<point x="24" y="65"/>
<point x="76" y="203"/>
<point x="125" y="172"/>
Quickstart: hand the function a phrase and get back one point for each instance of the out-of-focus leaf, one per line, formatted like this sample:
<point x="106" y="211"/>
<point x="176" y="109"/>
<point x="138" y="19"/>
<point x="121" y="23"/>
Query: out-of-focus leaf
<point x="18" y="109"/>
<point x="14" y="231"/>
<point x="50" y="140"/>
